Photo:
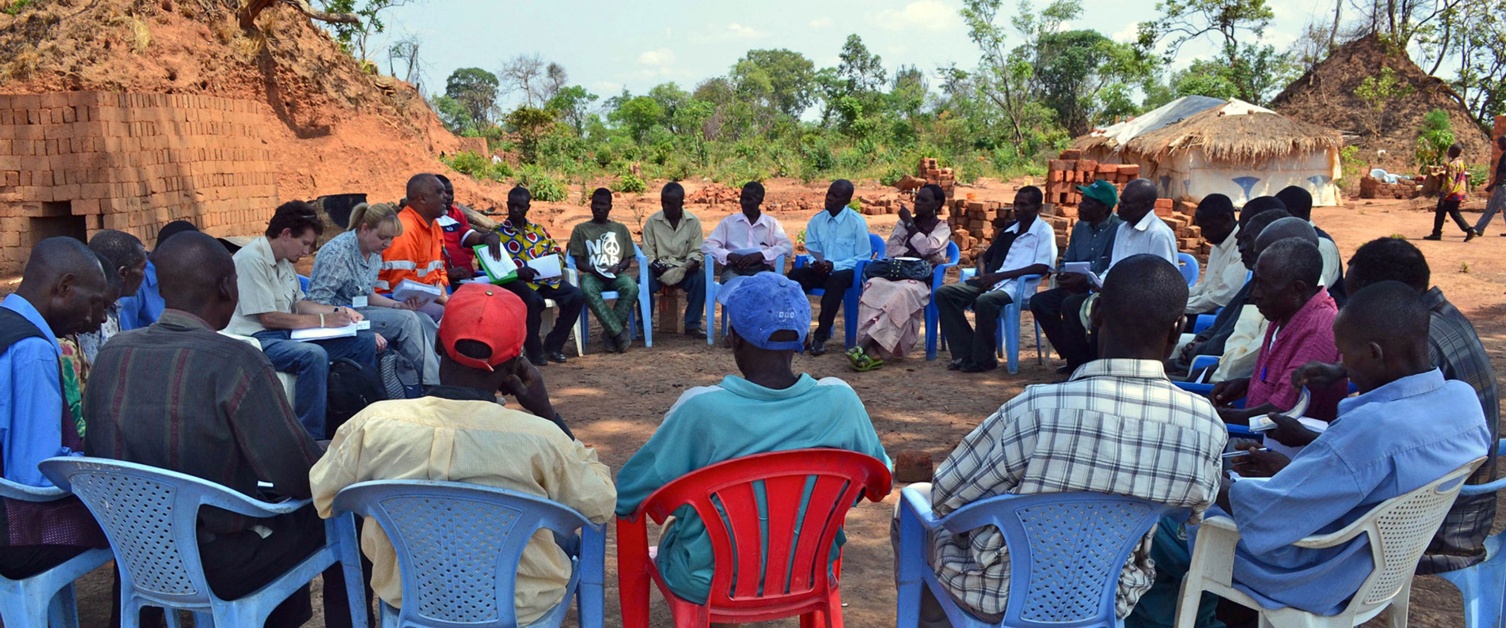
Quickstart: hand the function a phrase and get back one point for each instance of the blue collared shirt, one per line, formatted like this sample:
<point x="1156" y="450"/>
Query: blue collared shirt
<point x="31" y="400"/>
<point x="1385" y="443"/>
<point x="841" y="239"/>
<point x="145" y="307"/>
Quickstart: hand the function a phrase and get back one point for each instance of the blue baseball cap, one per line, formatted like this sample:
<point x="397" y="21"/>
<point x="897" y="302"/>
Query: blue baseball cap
<point x="765" y="304"/>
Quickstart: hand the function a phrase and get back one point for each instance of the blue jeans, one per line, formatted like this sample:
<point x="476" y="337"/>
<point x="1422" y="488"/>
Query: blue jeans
<point x="694" y="285"/>
<point x="309" y="362"/>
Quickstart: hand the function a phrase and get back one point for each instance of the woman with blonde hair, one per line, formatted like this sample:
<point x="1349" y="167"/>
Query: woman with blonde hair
<point x="345" y="275"/>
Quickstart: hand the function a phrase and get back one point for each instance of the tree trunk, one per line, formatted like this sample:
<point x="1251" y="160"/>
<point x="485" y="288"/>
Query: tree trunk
<point x="253" y="8"/>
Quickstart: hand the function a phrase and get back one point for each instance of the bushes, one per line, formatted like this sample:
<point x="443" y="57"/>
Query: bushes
<point x="629" y="182"/>
<point x="541" y="186"/>
<point x="479" y="167"/>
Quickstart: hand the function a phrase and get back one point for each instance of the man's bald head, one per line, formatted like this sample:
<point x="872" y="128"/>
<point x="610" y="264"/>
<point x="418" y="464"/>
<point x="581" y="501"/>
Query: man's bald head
<point x="1139" y="312"/>
<point x="1137" y="200"/>
<point x="427" y="197"/>
<point x="65" y="282"/>
<point x="197" y="275"/>
<point x="1250" y="232"/>
<point x="1283" y="228"/>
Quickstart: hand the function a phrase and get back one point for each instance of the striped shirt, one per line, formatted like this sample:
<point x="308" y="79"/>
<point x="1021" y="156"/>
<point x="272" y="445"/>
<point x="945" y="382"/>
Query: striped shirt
<point x="1455" y="349"/>
<point x="417" y="254"/>
<point x="1117" y="426"/>
<point x="177" y="395"/>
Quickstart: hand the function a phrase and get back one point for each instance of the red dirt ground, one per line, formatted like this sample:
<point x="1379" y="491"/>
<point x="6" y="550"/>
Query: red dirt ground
<point x="614" y="402"/>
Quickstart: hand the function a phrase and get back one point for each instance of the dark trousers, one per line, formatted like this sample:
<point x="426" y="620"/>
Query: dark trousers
<point x="1450" y="209"/>
<point x="694" y="285"/>
<point x="25" y="561"/>
<point x="236" y="565"/>
<point x="1057" y="312"/>
<point x="309" y="362"/>
<point x="570" y="301"/>
<point x="966" y="344"/>
<point x="835" y="284"/>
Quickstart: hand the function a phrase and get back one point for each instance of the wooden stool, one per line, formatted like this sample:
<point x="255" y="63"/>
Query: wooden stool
<point x="669" y="310"/>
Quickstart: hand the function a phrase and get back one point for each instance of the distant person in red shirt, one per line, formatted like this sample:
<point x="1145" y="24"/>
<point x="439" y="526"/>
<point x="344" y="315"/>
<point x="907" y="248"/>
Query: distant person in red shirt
<point x="459" y="237"/>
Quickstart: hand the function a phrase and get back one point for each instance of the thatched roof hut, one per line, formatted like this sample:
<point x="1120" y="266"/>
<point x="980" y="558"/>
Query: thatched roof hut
<point x="1195" y="146"/>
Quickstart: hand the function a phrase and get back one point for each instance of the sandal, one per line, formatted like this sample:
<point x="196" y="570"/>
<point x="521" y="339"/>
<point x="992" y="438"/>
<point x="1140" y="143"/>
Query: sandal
<point x="863" y="363"/>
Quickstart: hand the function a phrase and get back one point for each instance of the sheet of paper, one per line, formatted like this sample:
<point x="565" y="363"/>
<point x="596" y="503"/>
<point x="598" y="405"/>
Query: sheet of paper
<point x="409" y="289"/>
<point x="499" y="270"/>
<point x="1083" y="268"/>
<point x="325" y="333"/>
<point x="359" y="302"/>
<point x="548" y="266"/>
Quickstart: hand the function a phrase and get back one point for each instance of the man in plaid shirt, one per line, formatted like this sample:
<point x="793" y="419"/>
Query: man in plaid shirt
<point x="1117" y="426"/>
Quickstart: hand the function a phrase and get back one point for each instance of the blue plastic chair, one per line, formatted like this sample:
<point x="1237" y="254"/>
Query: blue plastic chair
<point x="854" y="292"/>
<point x="150" y="516"/>
<point x="458" y="547"/>
<point x="645" y="307"/>
<point x="303" y="284"/>
<point x="1009" y="321"/>
<point x="713" y="287"/>
<point x="1484" y="584"/>
<point x="1066" y="551"/>
<point x="933" y="314"/>
<point x="1188" y="265"/>
<point x="45" y="599"/>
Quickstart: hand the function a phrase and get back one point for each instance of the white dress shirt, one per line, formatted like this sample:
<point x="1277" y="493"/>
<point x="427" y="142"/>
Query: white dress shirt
<point x="1225" y="276"/>
<point x="735" y="233"/>
<point x="1333" y="264"/>
<point x="1036" y="246"/>
<point x="1149" y="236"/>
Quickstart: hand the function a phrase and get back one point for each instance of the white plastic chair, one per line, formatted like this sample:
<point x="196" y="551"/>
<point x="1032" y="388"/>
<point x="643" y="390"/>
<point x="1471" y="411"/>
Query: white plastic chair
<point x="150" y="516"/>
<point x="45" y="599"/>
<point x="546" y="319"/>
<point x="1398" y="529"/>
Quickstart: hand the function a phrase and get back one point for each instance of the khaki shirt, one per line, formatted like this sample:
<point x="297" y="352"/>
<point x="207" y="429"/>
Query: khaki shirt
<point x="266" y="285"/>
<point x="476" y="442"/>
<point x="670" y="244"/>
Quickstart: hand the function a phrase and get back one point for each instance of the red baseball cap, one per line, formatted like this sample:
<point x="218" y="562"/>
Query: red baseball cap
<point x="486" y="314"/>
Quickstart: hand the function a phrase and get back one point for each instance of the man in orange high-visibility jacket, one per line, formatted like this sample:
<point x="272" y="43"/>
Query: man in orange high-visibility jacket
<point x="418" y="253"/>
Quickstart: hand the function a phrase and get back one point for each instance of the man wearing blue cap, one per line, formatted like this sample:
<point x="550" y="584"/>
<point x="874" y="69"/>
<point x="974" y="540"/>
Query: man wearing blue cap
<point x="768" y="409"/>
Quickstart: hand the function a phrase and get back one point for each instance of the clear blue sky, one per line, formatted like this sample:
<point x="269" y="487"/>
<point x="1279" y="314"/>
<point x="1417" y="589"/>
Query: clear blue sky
<point x="608" y="45"/>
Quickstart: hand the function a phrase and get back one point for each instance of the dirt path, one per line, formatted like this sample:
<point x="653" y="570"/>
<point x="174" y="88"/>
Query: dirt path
<point x="613" y="403"/>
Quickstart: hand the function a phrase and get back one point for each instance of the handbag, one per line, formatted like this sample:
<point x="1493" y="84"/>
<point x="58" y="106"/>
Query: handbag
<point x="898" y="269"/>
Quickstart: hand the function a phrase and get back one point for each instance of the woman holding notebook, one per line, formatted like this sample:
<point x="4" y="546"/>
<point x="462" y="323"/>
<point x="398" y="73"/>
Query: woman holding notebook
<point x="345" y="275"/>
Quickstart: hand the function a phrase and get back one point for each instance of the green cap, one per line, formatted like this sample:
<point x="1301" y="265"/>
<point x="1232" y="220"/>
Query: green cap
<point x="1101" y="191"/>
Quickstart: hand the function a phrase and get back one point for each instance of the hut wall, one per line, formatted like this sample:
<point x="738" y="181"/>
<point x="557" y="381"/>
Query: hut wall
<point x="1190" y="175"/>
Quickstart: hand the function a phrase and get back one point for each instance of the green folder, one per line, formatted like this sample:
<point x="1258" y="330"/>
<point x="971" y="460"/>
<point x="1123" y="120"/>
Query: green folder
<point x="498" y="271"/>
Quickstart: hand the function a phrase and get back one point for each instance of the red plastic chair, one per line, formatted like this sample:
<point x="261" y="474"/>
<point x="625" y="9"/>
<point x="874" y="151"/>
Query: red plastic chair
<point x="797" y="577"/>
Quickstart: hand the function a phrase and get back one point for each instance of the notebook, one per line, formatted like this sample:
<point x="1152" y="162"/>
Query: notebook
<point x="1083" y="268"/>
<point x="327" y="333"/>
<point x="410" y="288"/>
<point x="498" y="270"/>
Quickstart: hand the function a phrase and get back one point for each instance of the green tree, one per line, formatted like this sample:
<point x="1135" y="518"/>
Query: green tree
<point x="453" y="115"/>
<point x="1234" y="26"/>
<point x="638" y="115"/>
<point x="862" y="70"/>
<point x="670" y="98"/>
<point x="1078" y="72"/>
<point x="531" y="124"/>
<point x="779" y="78"/>
<point x="354" y="37"/>
<point x="1379" y="93"/>
<point x="1204" y="78"/>
<point x="1433" y="139"/>
<point x="476" y="90"/>
<point x="572" y="104"/>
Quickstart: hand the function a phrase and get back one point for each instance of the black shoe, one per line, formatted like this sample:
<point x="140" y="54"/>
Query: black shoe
<point x="538" y="360"/>
<point x="954" y="365"/>
<point x="557" y="356"/>
<point x="979" y="368"/>
<point x="624" y="340"/>
<point x="1434" y="237"/>
<point x="1471" y="235"/>
<point x="818" y="347"/>
<point x="695" y="332"/>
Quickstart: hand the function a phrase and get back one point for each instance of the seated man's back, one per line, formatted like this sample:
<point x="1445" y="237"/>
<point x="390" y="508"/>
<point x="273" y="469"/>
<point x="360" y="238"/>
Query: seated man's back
<point x="1118" y="426"/>
<point x="742" y="417"/>
<point x="460" y="434"/>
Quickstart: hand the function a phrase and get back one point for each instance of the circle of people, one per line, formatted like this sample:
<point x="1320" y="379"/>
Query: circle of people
<point x="172" y="360"/>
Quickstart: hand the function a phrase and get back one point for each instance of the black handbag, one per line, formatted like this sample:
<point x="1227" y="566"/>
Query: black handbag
<point x="898" y="269"/>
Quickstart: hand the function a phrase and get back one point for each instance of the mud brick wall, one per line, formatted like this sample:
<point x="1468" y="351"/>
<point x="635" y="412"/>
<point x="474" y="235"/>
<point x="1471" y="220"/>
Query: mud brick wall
<point x="77" y="162"/>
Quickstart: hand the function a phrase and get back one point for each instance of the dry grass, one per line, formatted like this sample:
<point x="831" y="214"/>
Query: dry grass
<point x="141" y="35"/>
<point x="1252" y="139"/>
<point x="21" y="66"/>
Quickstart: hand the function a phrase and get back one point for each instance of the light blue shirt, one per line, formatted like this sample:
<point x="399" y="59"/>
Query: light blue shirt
<point x="145" y="307"/>
<point x="712" y="424"/>
<point x="31" y="400"/>
<point x="841" y="239"/>
<point x="1387" y="442"/>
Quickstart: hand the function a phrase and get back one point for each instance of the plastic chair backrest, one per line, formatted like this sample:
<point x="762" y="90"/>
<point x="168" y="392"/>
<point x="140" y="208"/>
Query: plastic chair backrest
<point x="1188" y="265"/>
<point x="879" y="245"/>
<point x="770" y="530"/>
<point x="458" y="545"/>
<point x="1066" y="550"/>
<point x="1400" y="530"/>
<point x="150" y="516"/>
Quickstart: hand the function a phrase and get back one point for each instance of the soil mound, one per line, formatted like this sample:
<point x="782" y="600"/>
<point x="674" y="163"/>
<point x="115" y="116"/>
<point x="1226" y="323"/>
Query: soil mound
<point x="336" y="128"/>
<point x="1325" y="96"/>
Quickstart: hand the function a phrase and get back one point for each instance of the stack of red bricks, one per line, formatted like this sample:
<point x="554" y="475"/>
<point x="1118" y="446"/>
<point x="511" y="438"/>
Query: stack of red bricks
<point x="932" y="172"/>
<point x="76" y="162"/>
<point x="1071" y="170"/>
<point x="1178" y="216"/>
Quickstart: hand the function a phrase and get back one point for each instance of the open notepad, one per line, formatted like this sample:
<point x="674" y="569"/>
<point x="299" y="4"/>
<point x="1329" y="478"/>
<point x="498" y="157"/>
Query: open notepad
<point x="499" y="270"/>
<point x="1083" y="268"/>
<point x="410" y="288"/>
<point x="327" y="333"/>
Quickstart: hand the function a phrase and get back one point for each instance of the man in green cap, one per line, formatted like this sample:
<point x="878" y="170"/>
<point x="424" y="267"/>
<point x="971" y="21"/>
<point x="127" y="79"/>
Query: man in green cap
<point x="1027" y="247"/>
<point x="1092" y="242"/>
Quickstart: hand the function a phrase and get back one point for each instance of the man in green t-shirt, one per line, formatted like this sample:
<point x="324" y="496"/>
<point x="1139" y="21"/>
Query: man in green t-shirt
<point x="603" y="251"/>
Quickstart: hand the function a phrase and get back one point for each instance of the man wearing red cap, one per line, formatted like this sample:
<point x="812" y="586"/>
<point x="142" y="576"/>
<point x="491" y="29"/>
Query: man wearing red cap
<point x="456" y="433"/>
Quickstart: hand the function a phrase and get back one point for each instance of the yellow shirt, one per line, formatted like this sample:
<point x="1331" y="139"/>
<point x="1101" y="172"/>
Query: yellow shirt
<point x="476" y="442"/>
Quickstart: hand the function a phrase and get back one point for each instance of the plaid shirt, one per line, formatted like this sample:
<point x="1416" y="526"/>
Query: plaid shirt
<point x="1118" y="426"/>
<point x="1455" y="349"/>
